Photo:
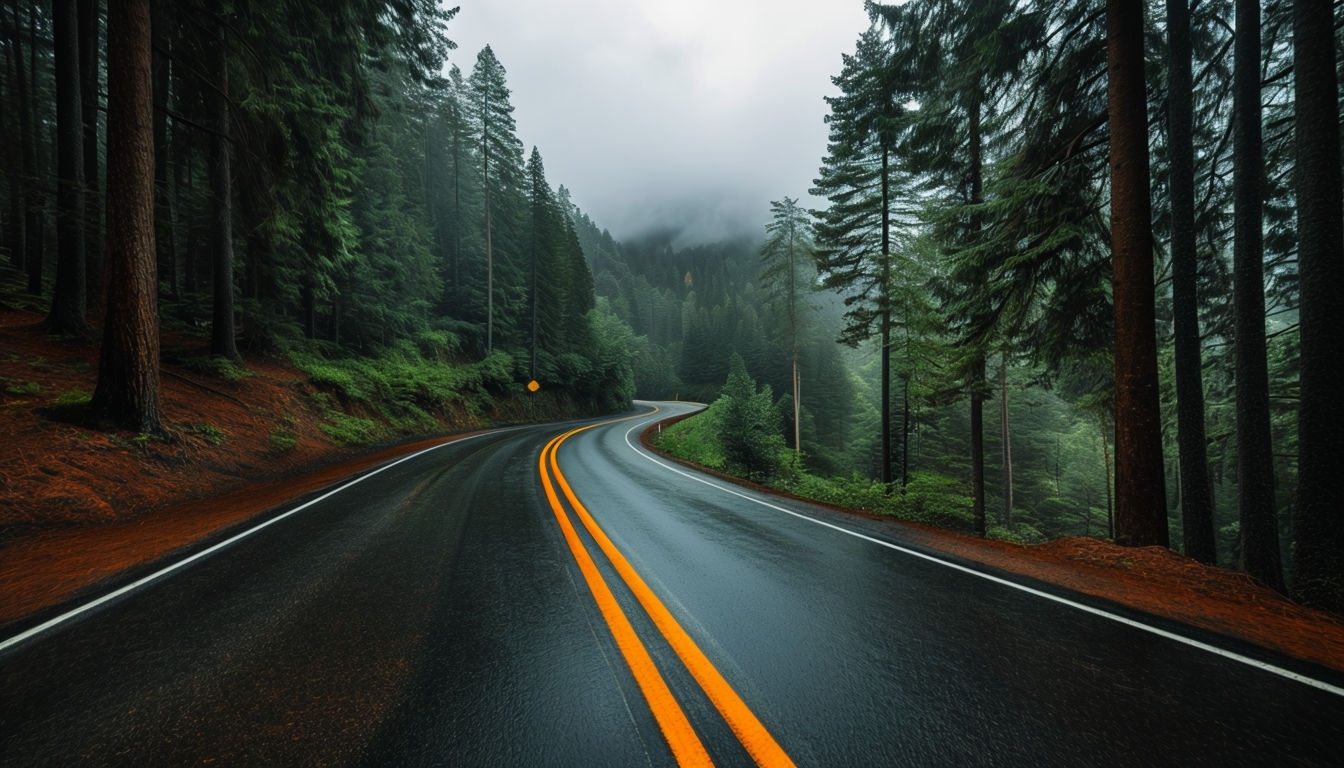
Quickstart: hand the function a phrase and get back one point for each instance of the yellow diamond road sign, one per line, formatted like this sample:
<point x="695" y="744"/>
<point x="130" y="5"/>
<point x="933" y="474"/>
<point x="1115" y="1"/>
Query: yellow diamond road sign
<point x="533" y="386"/>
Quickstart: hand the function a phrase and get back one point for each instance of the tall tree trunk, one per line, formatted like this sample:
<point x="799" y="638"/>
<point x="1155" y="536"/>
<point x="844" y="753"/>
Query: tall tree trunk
<point x="1110" y="482"/>
<point x="1196" y="487"/>
<point x="886" y="317"/>
<point x="34" y="224"/>
<point x="977" y="383"/>
<point x="1318" y="526"/>
<point x="89" y="34"/>
<point x="128" y="367"/>
<point x="67" y="296"/>
<point x="978" y="444"/>
<point x="1255" y="457"/>
<point x="163" y="201"/>
<point x="1005" y="436"/>
<point x="1140" y="491"/>
<point x="222" y="341"/>
<point x="14" y="136"/>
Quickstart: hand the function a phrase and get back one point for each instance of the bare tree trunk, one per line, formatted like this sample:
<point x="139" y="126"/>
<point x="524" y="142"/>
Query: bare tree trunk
<point x="222" y="341"/>
<point x="34" y="224"/>
<point x="162" y="20"/>
<point x="89" y="34"/>
<point x="1318" y="525"/>
<point x="886" y="318"/>
<point x="128" y="367"/>
<point x="1255" y="457"/>
<point x="1110" y="493"/>
<point x="1195" y="485"/>
<point x="1006" y="437"/>
<point x="67" y="296"/>
<point x="14" y="137"/>
<point x="1140" y="491"/>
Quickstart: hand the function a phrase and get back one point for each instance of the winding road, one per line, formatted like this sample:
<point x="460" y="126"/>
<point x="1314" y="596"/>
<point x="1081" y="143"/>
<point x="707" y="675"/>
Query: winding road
<point x="556" y="595"/>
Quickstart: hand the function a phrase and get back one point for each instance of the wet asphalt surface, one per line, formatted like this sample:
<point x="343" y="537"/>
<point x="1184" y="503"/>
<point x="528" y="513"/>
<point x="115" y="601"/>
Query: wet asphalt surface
<point x="432" y="614"/>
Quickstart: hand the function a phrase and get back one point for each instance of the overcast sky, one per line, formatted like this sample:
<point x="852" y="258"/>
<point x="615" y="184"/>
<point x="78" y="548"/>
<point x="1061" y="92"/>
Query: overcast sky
<point x="682" y="113"/>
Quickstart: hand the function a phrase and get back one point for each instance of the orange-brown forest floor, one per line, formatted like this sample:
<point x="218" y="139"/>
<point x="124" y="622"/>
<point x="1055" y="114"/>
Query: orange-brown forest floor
<point x="80" y="503"/>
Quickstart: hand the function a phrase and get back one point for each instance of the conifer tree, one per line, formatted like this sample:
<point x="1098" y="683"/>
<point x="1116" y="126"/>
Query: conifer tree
<point x="128" y="365"/>
<point x="1255" y="461"/>
<point x="1319" y="522"/>
<point x="787" y="247"/>
<point x="500" y="157"/>
<point x="1140" y="494"/>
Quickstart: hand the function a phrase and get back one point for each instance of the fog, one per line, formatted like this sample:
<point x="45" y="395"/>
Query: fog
<point x="689" y="115"/>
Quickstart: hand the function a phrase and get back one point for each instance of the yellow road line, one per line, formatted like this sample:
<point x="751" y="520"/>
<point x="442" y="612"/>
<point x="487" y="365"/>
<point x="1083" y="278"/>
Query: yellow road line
<point x="745" y="725"/>
<point x="686" y="746"/>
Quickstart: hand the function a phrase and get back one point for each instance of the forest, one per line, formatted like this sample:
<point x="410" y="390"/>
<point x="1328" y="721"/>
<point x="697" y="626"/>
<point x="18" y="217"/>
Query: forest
<point x="1064" y="269"/>
<point x="1114" y="234"/>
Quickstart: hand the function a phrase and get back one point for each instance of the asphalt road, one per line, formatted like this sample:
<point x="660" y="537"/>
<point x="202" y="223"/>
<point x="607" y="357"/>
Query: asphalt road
<point x="533" y="597"/>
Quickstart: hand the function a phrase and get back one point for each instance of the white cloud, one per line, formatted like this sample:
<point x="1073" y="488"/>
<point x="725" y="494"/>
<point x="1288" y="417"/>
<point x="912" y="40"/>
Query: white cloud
<point x="643" y="108"/>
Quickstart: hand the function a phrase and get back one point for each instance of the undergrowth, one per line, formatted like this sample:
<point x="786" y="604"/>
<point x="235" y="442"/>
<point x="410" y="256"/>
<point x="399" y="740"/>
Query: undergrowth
<point x="928" y="497"/>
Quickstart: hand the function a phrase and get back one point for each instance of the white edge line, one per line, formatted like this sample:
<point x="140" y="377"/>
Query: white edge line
<point x="138" y="583"/>
<point x="1232" y="655"/>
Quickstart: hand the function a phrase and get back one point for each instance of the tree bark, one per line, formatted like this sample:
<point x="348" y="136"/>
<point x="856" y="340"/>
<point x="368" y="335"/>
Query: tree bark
<point x="1140" y="494"/>
<point x="1195" y="485"/>
<point x="1006" y="438"/>
<point x="67" y="296"/>
<point x="1318" y="525"/>
<point x="1255" y="458"/>
<point x="977" y="382"/>
<point x="162" y="21"/>
<point x="222" y="336"/>
<point x="89" y="34"/>
<point x="128" y="367"/>
<point x="886" y="316"/>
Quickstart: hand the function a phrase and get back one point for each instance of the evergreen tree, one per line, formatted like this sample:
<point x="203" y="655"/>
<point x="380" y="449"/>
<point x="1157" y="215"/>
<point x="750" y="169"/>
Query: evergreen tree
<point x="1319" y="522"/>
<point x="1255" y="464"/>
<point x="128" y="366"/>
<point x="68" y="295"/>
<point x="1140" y="494"/>
<point x="500" y="155"/>
<point x="853" y="234"/>
<point x="786" y="249"/>
<point x="1196" y="486"/>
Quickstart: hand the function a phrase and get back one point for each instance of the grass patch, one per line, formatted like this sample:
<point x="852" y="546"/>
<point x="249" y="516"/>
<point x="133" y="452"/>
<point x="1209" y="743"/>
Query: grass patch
<point x="26" y="388"/>
<point x="217" y="367"/>
<point x="283" y="442"/>
<point x="346" y="430"/>
<point x="212" y="434"/>
<point x="72" y="398"/>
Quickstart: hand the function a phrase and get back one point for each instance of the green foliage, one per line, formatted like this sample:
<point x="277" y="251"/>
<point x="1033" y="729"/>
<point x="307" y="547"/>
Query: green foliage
<point x="72" y="398"/>
<point x="749" y="426"/>
<point x="282" y="441"/>
<point x="346" y="430"/>
<point x="26" y="388"/>
<point x="695" y="439"/>
<point x="212" y="434"/>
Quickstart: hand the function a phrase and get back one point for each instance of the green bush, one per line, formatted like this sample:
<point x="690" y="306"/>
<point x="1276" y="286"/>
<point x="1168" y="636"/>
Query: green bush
<point x="346" y="430"/>
<point x="282" y="442"/>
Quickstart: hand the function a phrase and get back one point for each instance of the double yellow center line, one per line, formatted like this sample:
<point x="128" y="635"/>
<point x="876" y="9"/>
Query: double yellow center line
<point x="681" y="737"/>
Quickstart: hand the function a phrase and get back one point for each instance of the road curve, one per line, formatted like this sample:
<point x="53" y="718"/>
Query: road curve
<point x="437" y="611"/>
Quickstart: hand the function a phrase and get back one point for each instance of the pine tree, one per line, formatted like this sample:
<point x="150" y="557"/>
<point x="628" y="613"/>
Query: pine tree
<point x="68" y="295"/>
<point x="853" y="235"/>
<point x="1319" y="523"/>
<point x="1255" y="462"/>
<point x="501" y="158"/>
<point x="788" y="246"/>
<point x="128" y="366"/>
<point x="1196" y="485"/>
<point x="1140" y="513"/>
